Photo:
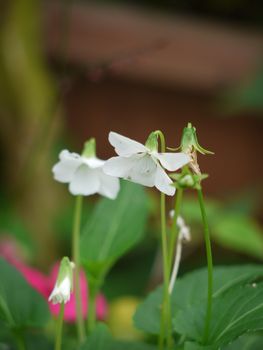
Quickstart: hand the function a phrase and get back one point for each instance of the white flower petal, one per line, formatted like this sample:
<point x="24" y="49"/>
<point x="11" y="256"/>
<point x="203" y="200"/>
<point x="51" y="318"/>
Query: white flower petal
<point x="109" y="186"/>
<point x="119" y="166"/>
<point x="163" y="182"/>
<point x="85" y="181"/>
<point x="64" y="170"/>
<point x="124" y="146"/>
<point x="173" y="161"/>
<point x="61" y="292"/>
<point x="143" y="171"/>
<point x="93" y="162"/>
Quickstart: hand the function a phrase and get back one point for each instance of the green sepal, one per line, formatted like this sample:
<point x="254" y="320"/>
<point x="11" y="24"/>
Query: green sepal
<point x="189" y="142"/>
<point x="152" y="141"/>
<point x="65" y="270"/>
<point x="188" y="180"/>
<point x="89" y="150"/>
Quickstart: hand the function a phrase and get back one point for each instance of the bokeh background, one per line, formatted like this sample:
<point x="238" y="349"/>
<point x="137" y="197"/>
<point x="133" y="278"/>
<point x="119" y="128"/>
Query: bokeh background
<point x="70" y="70"/>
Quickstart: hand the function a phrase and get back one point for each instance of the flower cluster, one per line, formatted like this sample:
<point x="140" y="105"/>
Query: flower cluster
<point x="142" y="164"/>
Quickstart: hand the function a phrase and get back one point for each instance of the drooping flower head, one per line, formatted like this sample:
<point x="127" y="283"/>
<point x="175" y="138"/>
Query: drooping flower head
<point x="84" y="173"/>
<point x="70" y="307"/>
<point x="190" y="145"/>
<point x="64" y="283"/>
<point x="143" y="164"/>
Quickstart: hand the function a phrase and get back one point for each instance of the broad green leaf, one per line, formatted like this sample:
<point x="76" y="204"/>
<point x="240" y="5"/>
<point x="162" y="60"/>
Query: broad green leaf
<point x="248" y="341"/>
<point x="234" y="312"/>
<point x="189" y="290"/>
<point x="101" y="339"/>
<point x="239" y="233"/>
<point x="20" y="305"/>
<point x="113" y="228"/>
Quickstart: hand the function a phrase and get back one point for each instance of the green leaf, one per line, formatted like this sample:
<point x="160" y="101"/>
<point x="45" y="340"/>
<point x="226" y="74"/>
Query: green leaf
<point x="101" y="339"/>
<point x="20" y="305"/>
<point x="234" y="312"/>
<point x="189" y="290"/>
<point x="239" y="233"/>
<point x="248" y="341"/>
<point x="113" y="228"/>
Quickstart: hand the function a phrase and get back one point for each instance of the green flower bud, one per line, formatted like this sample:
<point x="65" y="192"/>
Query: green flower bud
<point x="188" y="180"/>
<point x="89" y="150"/>
<point x="152" y="142"/>
<point x="64" y="283"/>
<point x="189" y="142"/>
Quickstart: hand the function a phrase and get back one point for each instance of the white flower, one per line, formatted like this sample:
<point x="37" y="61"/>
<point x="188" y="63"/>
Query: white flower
<point x="85" y="175"/>
<point x="142" y="163"/>
<point x="183" y="236"/>
<point x="63" y="286"/>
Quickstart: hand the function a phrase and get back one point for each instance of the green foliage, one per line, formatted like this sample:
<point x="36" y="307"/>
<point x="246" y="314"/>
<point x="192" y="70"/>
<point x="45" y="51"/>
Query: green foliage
<point x="240" y="233"/>
<point x="231" y="228"/>
<point x="25" y="85"/>
<point x="13" y="226"/>
<point x="247" y="342"/>
<point x="101" y="339"/>
<point x="20" y="305"/>
<point x="112" y="229"/>
<point x="234" y="312"/>
<point x="191" y="290"/>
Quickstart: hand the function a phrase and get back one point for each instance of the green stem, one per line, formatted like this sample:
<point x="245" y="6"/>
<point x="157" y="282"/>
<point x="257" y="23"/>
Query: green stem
<point x="20" y="342"/>
<point x="209" y="266"/>
<point x="174" y="231"/>
<point x="59" y="327"/>
<point x="165" y="319"/>
<point x="76" y="259"/>
<point x="91" y="310"/>
<point x="165" y="327"/>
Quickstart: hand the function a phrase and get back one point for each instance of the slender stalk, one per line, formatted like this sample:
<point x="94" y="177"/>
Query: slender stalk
<point x="174" y="230"/>
<point x="165" y="327"/>
<point x="209" y="266"/>
<point x="20" y="342"/>
<point x="166" y="315"/>
<point x="59" y="327"/>
<point x="91" y="311"/>
<point x="76" y="259"/>
<point x="177" y="260"/>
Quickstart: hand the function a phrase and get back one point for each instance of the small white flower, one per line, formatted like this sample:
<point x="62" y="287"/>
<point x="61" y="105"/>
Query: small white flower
<point x="85" y="175"/>
<point x="64" y="283"/>
<point x="183" y="236"/>
<point x="142" y="163"/>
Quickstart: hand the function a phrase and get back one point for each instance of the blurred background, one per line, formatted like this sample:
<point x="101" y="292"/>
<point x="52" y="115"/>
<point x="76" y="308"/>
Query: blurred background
<point x="71" y="70"/>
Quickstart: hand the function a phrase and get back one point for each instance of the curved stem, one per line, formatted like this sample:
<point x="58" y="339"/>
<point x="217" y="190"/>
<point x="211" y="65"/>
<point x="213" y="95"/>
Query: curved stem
<point x="59" y="327"/>
<point x="76" y="259"/>
<point x="209" y="266"/>
<point x="165" y="327"/>
<point x="174" y="231"/>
